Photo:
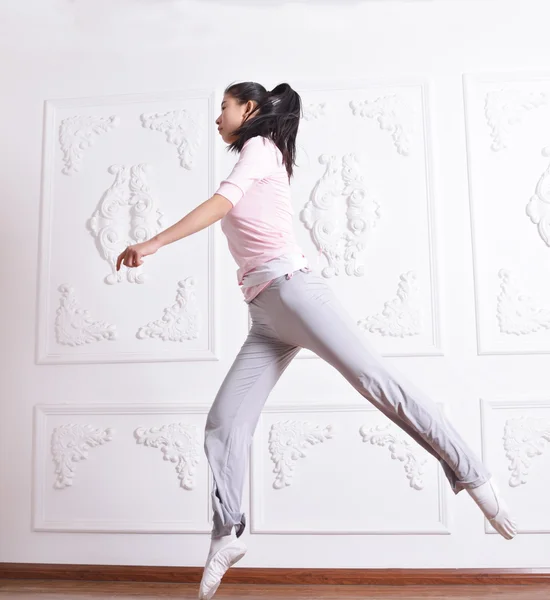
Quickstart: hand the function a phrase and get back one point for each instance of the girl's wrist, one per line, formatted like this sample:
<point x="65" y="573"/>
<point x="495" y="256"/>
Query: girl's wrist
<point x="156" y="241"/>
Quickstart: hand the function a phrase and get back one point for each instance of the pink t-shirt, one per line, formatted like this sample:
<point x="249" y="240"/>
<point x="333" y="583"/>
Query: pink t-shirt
<point x="259" y="227"/>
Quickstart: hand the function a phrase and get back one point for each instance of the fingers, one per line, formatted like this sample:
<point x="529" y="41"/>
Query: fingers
<point x="130" y="258"/>
<point x="119" y="259"/>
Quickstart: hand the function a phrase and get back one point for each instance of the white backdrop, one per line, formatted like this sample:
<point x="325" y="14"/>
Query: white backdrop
<point x="421" y="194"/>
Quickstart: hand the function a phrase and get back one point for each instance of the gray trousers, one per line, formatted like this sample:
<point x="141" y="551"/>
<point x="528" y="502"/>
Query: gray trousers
<point x="300" y="310"/>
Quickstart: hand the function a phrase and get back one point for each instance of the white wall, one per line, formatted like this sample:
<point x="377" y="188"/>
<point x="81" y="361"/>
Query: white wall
<point x="349" y="504"/>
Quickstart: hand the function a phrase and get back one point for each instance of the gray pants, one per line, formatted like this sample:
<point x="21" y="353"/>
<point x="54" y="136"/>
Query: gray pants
<point x="300" y="310"/>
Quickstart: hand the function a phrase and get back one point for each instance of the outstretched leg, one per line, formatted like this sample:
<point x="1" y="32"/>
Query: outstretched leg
<point x="305" y="311"/>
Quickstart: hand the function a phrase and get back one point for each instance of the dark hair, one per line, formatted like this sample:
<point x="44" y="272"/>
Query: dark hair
<point x="276" y="116"/>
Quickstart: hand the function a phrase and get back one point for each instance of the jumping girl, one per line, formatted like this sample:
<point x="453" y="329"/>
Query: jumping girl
<point x="291" y="307"/>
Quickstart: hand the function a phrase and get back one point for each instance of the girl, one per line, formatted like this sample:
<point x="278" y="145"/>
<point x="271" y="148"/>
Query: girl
<point x="291" y="307"/>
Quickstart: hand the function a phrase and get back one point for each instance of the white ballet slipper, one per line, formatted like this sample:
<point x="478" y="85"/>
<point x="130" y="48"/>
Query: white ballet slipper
<point x="218" y="565"/>
<point x="502" y="522"/>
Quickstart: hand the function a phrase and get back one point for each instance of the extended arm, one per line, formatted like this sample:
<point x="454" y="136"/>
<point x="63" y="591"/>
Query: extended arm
<point x="256" y="160"/>
<point x="199" y="218"/>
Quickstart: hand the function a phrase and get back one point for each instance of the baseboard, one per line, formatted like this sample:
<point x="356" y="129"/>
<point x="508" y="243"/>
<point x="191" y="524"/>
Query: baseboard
<point x="277" y="576"/>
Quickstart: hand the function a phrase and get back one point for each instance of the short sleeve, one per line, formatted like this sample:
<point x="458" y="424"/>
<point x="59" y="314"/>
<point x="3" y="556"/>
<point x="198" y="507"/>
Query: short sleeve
<point x="257" y="160"/>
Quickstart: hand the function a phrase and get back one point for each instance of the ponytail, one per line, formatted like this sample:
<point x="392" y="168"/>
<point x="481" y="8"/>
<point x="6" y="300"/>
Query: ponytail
<point x="276" y="116"/>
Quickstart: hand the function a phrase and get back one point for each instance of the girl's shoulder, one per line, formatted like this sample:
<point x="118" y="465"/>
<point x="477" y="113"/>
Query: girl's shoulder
<point x="265" y="143"/>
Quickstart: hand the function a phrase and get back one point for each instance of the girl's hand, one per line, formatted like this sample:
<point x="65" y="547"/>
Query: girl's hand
<point x="132" y="256"/>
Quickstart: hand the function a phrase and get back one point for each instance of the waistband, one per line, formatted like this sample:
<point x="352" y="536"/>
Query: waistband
<point x="282" y="265"/>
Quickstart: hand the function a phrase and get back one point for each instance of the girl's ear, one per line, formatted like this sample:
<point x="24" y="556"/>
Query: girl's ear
<point x="247" y="110"/>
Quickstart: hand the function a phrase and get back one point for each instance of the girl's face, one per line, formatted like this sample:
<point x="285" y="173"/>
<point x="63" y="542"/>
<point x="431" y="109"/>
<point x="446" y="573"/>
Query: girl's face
<point x="232" y="116"/>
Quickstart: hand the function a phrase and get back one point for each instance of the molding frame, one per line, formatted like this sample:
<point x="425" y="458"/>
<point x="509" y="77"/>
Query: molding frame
<point x="44" y="310"/>
<point x="469" y="81"/>
<point x="41" y="442"/>
<point x="485" y="408"/>
<point x="259" y="443"/>
<point x="436" y="269"/>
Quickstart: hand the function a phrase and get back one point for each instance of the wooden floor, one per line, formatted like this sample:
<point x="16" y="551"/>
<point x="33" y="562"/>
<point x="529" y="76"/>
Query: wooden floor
<point x="69" y="590"/>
